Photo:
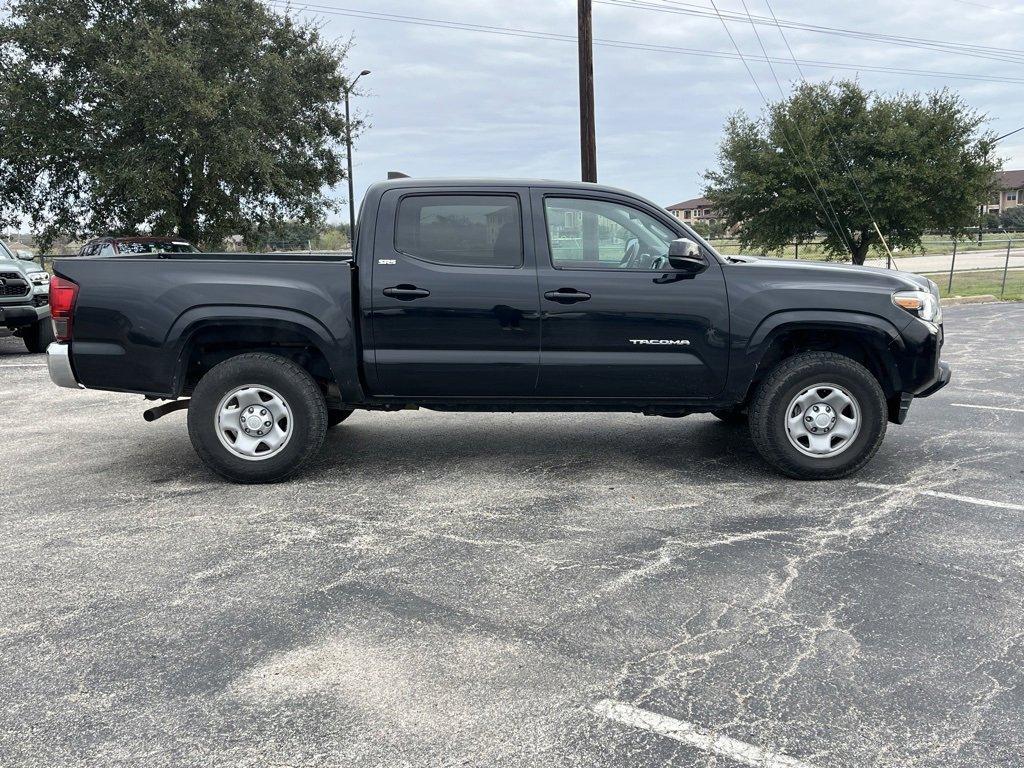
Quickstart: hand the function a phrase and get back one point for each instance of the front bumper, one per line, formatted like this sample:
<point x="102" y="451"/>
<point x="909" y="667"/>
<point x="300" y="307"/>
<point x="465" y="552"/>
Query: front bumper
<point x="21" y="315"/>
<point x="58" y="362"/>
<point x="945" y="373"/>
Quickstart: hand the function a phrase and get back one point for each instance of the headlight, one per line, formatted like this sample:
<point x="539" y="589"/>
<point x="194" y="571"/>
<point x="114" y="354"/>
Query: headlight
<point x="922" y="304"/>
<point x="39" y="278"/>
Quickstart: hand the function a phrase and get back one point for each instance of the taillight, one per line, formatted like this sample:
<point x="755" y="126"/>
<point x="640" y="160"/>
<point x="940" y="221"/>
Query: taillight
<point x="63" y="293"/>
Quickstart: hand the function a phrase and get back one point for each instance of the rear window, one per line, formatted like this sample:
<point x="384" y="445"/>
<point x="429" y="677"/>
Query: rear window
<point x="143" y="247"/>
<point x="461" y="230"/>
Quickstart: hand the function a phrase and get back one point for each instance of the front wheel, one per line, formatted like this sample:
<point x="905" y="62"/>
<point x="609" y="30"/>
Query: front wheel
<point x="818" y="416"/>
<point x="256" y="418"/>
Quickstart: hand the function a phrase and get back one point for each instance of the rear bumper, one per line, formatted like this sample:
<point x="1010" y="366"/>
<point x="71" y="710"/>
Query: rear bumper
<point x="58" y="362"/>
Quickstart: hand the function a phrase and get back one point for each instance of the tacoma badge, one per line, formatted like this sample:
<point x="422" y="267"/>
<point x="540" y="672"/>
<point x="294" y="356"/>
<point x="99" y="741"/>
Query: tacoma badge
<point x="676" y="342"/>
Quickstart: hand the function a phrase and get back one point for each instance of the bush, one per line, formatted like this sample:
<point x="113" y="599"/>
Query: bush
<point x="1013" y="218"/>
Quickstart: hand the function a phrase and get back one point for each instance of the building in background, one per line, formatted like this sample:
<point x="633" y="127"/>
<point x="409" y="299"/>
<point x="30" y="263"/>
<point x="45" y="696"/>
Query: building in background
<point x="696" y="210"/>
<point x="1010" y="194"/>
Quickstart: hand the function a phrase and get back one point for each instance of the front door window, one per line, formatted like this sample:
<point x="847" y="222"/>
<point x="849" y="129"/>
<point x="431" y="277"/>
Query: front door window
<point x="596" y="234"/>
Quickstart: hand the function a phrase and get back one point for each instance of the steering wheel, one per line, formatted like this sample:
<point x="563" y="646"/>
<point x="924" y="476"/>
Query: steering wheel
<point x="631" y="253"/>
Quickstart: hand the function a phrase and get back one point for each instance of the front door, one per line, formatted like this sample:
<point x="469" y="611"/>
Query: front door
<point x="617" y="321"/>
<point x="454" y="310"/>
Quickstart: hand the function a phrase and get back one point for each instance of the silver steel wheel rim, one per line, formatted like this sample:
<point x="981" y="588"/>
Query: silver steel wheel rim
<point x="822" y="421"/>
<point x="253" y="422"/>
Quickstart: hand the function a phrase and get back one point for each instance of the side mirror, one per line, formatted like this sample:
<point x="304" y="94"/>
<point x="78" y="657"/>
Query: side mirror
<point x="26" y="256"/>
<point x="684" y="255"/>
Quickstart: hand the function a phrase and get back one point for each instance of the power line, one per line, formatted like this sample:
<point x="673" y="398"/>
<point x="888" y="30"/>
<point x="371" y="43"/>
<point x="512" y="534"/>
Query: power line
<point x="989" y="7"/>
<point x="846" y="164"/>
<point x="1000" y="138"/>
<point x="624" y="44"/>
<point x="833" y="220"/>
<point x="944" y="46"/>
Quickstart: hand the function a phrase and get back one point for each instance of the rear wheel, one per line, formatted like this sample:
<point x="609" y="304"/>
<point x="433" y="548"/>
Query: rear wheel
<point x="256" y="418"/>
<point x="39" y="336"/>
<point x="817" y="416"/>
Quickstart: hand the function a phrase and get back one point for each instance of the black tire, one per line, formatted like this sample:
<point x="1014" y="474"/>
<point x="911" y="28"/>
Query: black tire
<point x="296" y="387"/>
<point x="337" y="415"/>
<point x="768" y="415"/>
<point x="39" y="336"/>
<point x="731" y="416"/>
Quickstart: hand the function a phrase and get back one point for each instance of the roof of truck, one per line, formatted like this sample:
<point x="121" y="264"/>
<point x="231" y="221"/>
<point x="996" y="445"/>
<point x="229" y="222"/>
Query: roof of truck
<point x="475" y="182"/>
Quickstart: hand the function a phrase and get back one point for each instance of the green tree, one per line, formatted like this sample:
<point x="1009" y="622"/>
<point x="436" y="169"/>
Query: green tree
<point x="798" y="172"/>
<point x="1013" y="218"/>
<point x="194" y="117"/>
<point x="334" y="238"/>
<point x="712" y="230"/>
<point x="991" y="221"/>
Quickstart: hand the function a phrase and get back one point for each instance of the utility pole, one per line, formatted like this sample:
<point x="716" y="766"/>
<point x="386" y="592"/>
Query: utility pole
<point x="588" y="131"/>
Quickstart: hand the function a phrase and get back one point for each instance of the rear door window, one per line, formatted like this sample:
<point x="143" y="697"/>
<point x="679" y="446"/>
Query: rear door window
<point x="461" y="230"/>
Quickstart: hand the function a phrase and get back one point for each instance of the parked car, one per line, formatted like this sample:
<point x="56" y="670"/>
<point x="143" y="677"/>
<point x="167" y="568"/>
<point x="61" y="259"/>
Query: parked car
<point x="503" y="296"/>
<point x="135" y="246"/>
<point x="24" y="299"/>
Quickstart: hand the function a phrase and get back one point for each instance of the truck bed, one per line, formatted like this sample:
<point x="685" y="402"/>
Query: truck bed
<point x="137" y="318"/>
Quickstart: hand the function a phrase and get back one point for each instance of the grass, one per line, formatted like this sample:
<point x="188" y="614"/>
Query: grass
<point x="981" y="282"/>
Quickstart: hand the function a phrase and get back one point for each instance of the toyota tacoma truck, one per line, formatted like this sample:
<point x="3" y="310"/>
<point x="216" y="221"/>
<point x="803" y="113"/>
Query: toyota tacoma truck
<point x="25" y="299"/>
<point x="502" y="296"/>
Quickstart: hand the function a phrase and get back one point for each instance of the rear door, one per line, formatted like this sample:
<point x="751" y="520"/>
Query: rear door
<point x="617" y="321"/>
<point x="454" y="307"/>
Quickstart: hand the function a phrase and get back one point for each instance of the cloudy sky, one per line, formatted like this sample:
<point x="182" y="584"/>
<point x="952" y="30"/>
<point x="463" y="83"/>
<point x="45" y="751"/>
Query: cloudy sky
<point x="450" y="102"/>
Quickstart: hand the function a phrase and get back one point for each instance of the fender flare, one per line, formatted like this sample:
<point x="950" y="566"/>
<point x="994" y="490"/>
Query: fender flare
<point x="822" y="319"/>
<point x="340" y="353"/>
<point x="886" y="335"/>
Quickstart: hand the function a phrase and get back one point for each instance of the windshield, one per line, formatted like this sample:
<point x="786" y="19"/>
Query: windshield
<point x="5" y="252"/>
<point x="178" y="246"/>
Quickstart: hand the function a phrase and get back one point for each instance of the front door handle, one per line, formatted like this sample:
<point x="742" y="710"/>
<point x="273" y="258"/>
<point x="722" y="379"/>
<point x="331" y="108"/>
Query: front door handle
<point x="566" y="296"/>
<point x="406" y="292"/>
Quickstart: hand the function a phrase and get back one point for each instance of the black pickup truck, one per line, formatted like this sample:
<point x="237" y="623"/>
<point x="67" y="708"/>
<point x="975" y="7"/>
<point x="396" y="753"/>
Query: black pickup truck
<point x="470" y="295"/>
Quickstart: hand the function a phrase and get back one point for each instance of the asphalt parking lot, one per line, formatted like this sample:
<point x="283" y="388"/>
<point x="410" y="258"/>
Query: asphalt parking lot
<point x="516" y="590"/>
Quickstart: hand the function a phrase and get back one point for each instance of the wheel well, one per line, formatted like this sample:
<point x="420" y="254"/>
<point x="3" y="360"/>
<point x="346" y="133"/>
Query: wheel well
<point x="212" y="345"/>
<point x="865" y="347"/>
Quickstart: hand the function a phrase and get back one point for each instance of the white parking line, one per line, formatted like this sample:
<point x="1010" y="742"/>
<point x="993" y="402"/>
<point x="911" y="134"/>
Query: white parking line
<point x="944" y="495"/>
<point x="22" y="365"/>
<point x="988" y="407"/>
<point x="695" y="736"/>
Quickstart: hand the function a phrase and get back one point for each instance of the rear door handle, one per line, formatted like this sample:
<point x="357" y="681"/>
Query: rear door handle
<point x="406" y="292"/>
<point x="566" y="296"/>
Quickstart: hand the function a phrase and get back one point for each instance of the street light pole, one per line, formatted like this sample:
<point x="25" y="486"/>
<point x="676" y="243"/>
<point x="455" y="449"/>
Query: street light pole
<point x="348" y="154"/>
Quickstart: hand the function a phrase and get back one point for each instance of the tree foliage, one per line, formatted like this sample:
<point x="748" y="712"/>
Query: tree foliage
<point x="193" y="117"/>
<point x="798" y="172"/>
<point x="712" y="229"/>
<point x="1013" y="218"/>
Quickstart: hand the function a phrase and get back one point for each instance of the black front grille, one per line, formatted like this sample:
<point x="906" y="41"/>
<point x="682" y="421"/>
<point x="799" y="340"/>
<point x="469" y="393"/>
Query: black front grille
<point x="14" y="284"/>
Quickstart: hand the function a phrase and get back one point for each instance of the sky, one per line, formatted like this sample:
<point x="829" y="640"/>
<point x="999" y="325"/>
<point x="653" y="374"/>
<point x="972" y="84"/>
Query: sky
<point x="449" y="102"/>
